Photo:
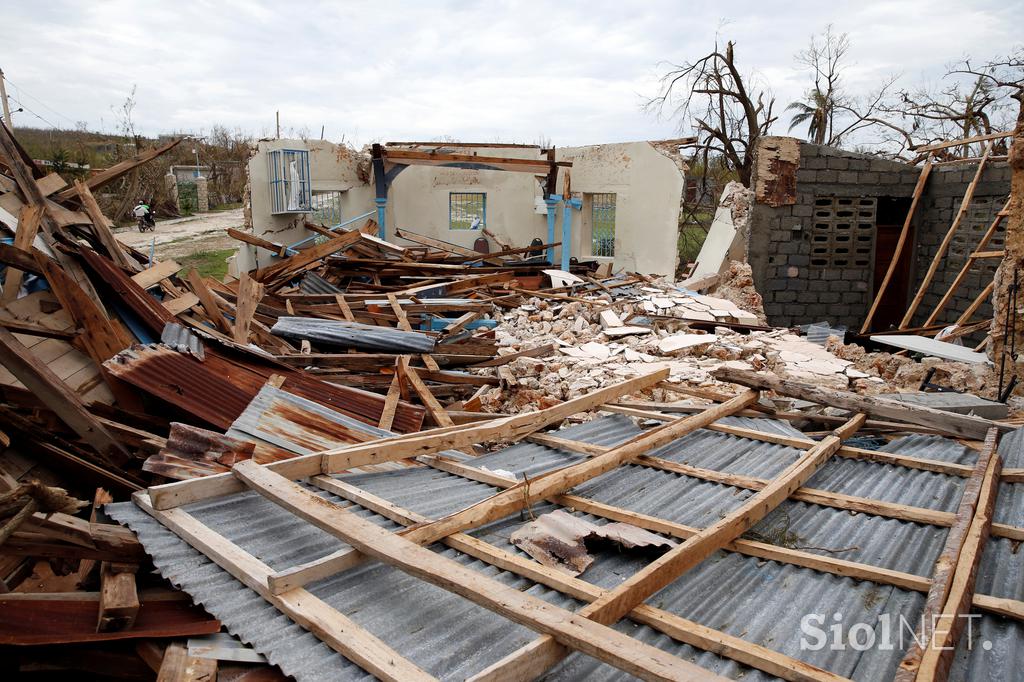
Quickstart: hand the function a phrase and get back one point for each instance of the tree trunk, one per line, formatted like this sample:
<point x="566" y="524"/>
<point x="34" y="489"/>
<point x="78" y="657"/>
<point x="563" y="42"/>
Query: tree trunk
<point x="1013" y="262"/>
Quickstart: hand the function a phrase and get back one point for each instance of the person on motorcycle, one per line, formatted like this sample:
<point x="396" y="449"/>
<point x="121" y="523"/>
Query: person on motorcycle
<point x="144" y="214"/>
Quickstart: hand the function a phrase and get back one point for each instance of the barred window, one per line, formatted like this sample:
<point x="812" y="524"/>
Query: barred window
<point x="467" y="210"/>
<point x="602" y="225"/>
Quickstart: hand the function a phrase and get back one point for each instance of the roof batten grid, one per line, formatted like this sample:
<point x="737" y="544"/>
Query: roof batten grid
<point x="678" y="628"/>
<point x="552" y="486"/>
<point x="1010" y="608"/>
<point x="535" y="658"/>
<point x="602" y="642"/>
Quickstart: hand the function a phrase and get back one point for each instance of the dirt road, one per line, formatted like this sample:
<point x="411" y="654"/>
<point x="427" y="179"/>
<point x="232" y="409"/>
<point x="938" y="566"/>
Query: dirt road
<point x="185" y="236"/>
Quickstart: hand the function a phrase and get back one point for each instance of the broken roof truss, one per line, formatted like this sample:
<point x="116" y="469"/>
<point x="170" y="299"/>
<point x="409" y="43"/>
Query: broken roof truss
<point x="560" y="631"/>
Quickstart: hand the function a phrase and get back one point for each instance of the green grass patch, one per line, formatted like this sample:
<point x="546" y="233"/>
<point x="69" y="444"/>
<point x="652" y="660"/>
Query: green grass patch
<point x="208" y="263"/>
<point x="226" y="207"/>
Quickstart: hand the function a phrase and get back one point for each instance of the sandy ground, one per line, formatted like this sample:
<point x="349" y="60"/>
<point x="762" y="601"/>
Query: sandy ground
<point x="184" y="236"/>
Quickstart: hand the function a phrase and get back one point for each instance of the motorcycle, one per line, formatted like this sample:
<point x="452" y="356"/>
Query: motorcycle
<point x="146" y="223"/>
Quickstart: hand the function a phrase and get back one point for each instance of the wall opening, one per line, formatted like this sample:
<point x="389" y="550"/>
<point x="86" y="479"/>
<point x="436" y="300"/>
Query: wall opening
<point x="599" y="223"/>
<point x="467" y="210"/>
<point x="892" y="212"/>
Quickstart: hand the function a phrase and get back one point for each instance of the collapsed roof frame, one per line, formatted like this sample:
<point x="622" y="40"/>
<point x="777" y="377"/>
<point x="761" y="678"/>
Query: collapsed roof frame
<point x="949" y="589"/>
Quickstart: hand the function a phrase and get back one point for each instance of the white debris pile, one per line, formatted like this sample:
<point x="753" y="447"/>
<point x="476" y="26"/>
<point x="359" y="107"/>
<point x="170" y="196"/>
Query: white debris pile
<point x="650" y="327"/>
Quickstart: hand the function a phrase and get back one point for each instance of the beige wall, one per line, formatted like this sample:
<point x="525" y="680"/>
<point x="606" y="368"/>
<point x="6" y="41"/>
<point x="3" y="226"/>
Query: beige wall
<point x="331" y="167"/>
<point x="647" y="183"/>
<point x="648" y="186"/>
<point x="418" y="200"/>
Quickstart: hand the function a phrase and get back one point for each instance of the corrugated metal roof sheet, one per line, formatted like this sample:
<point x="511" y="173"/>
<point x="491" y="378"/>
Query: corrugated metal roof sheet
<point x="353" y="335"/>
<point x="180" y="380"/>
<point x="313" y="283"/>
<point x="182" y="339"/>
<point x="760" y="601"/>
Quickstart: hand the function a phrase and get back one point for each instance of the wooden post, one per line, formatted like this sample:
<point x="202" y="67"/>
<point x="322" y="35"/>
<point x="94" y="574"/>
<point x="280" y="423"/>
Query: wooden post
<point x="1008" y="324"/>
<point x="965" y="204"/>
<point x="894" y="263"/>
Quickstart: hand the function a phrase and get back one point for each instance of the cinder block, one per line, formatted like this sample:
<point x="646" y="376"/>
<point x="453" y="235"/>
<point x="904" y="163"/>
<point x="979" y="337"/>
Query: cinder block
<point x="859" y="164"/>
<point x="807" y="296"/>
<point x="829" y="297"/>
<point x="826" y="176"/>
<point x="838" y="163"/>
<point x="813" y="162"/>
<point x="869" y="177"/>
<point x="848" y="177"/>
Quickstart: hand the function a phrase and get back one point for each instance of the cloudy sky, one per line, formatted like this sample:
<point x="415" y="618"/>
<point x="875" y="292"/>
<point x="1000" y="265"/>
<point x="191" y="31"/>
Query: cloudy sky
<point x="572" y="72"/>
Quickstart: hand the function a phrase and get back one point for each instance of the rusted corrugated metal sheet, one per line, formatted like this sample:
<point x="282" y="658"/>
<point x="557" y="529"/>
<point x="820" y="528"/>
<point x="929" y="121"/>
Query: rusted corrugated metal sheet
<point x="183" y="381"/>
<point x="298" y="425"/>
<point x="192" y="452"/>
<point x="218" y="389"/>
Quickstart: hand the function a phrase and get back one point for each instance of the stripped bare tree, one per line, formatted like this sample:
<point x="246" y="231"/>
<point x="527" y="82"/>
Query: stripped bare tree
<point x="713" y="100"/>
<point x="825" y="58"/>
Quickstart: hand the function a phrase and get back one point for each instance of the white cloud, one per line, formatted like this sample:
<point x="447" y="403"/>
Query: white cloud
<point x="576" y="72"/>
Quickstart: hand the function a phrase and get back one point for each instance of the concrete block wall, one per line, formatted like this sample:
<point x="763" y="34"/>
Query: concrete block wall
<point x="797" y="291"/>
<point x="794" y="290"/>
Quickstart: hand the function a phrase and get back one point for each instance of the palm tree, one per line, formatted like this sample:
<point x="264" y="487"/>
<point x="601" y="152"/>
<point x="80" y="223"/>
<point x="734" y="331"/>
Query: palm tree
<point x="816" y="111"/>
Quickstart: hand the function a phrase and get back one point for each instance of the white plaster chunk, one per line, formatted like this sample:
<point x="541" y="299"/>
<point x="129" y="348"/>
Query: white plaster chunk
<point x="676" y="342"/>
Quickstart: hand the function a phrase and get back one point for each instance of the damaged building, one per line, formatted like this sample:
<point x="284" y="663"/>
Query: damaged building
<point x="610" y="203"/>
<point x="826" y="223"/>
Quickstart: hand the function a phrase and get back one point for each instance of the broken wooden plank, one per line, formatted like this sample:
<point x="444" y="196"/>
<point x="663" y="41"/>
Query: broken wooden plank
<point x="250" y="292"/>
<point x="101" y="228"/>
<point x="274" y="247"/>
<point x="176" y="306"/>
<point x="154" y="274"/>
<point x="28" y="226"/>
<point x="119" y="600"/>
<point x="948" y="422"/>
<point x="434" y="408"/>
<point x="209" y="303"/>
<point x="108" y="175"/>
<point x="65" y="403"/>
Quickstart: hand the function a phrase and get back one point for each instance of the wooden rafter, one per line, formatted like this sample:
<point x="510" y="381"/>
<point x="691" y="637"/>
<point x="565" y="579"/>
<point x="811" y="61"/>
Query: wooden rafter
<point x="900" y="244"/>
<point x="601" y="642"/>
<point x="940" y="254"/>
<point x="536" y="657"/>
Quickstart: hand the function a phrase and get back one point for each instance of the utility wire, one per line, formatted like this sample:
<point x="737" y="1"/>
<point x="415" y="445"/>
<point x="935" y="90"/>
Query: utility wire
<point x="43" y="104"/>
<point x="22" y="105"/>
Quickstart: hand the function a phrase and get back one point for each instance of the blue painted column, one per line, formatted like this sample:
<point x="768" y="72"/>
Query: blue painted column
<point x="552" y="204"/>
<point x="382" y="204"/>
<point x="567" y="230"/>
